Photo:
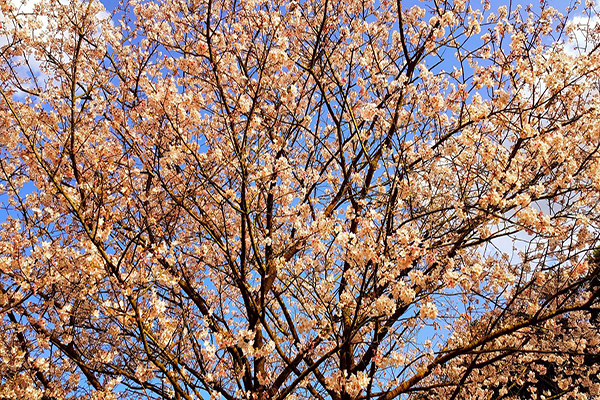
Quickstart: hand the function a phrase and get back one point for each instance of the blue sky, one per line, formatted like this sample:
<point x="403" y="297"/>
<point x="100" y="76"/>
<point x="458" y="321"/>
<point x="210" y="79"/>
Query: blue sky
<point x="110" y="4"/>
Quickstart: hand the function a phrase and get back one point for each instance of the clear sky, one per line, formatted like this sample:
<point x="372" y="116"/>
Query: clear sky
<point x="110" y="4"/>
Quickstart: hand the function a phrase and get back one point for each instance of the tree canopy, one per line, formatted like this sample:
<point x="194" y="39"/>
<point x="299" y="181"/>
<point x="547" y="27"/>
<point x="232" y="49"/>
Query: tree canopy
<point x="281" y="199"/>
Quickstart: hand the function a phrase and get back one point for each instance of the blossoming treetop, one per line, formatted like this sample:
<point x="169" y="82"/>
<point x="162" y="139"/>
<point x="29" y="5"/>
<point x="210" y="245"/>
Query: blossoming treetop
<point x="291" y="200"/>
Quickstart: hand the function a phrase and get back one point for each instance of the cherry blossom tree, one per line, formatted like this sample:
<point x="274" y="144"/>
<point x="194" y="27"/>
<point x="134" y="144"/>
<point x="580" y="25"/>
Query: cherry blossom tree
<point x="281" y="199"/>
